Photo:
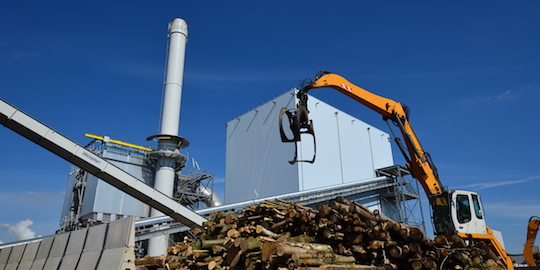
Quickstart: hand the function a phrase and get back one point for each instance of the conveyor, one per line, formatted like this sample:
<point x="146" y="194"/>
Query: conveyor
<point x="50" y="139"/>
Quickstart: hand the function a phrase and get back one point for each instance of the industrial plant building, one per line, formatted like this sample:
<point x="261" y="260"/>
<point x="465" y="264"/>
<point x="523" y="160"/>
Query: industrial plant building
<point x="350" y="157"/>
<point x="345" y="150"/>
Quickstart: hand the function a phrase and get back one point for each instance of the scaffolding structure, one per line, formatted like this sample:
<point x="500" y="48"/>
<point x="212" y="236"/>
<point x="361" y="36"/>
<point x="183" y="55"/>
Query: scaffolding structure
<point x="189" y="186"/>
<point x="405" y="196"/>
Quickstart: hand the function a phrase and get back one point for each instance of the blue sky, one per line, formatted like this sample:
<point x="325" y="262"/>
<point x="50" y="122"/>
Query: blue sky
<point x="469" y="71"/>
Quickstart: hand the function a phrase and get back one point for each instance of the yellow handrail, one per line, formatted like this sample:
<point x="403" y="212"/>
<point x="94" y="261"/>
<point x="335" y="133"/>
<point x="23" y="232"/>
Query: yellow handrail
<point x="119" y="142"/>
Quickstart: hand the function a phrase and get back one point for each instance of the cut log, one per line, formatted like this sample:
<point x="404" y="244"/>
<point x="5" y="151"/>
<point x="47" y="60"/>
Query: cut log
<point x="157" y="261"/>
<point x="268" y="249"/>
<point x="304" y="238"/>
<point x="236" y="259"/>
<point x="216" y="249"/>
<point x="299" y="256"/>
<point x="259" y="229"/>
<point x="250" y="243"/>
<point x="336" y="259"/>
<point x="376" y="245"/>
<point x="205" y="244"/>
<point x="396" y="252"/>
<point x="211" y="265"/>
<point x="233" y="233"/>
<point x="201" y="254"/>
<point x="289" y="248"/>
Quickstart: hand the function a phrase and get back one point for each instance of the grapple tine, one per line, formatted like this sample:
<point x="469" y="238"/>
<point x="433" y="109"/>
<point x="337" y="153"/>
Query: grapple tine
<point x="293" y="125"/>
<point x="298" y="124"/>
<point x="306" y="129"/>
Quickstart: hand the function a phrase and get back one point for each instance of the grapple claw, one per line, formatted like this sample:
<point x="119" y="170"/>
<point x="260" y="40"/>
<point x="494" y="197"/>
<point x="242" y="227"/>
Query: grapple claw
<point x="298" y="124"/>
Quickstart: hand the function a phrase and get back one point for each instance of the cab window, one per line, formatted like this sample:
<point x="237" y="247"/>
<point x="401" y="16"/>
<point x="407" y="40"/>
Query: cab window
<point x="463" y="209"/>
<point x="477" y="206"/>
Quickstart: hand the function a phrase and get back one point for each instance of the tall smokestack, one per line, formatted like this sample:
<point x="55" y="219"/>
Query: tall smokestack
<point x="167" y="160"/>
<point x="172" y="93"/>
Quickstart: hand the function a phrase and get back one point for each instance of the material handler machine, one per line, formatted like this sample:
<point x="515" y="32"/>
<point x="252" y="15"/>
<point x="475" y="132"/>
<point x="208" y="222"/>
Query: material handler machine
<point x="453" y="211"/>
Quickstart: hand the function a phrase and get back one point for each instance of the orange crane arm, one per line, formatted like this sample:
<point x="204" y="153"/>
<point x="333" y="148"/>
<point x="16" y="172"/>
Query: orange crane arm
<point x="532" y="229"/>
<point x="418" y="161"/>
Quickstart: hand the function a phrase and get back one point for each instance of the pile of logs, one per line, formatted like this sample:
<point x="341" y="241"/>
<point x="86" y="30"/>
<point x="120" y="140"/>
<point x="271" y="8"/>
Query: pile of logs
<point x="343" y="235"/>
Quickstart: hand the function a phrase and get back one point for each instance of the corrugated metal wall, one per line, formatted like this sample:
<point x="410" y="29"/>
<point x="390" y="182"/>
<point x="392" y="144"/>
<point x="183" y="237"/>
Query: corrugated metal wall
<point x="256" y="160"/>
<point x="108" y="199"/>
<point x="347" y="148"/>
<point x="103" y="202"/>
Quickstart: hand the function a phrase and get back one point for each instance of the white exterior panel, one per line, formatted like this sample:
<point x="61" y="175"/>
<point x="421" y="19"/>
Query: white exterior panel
<point x="102" y="197"/>
<point x="311" y="175"/>
<point x="381" y="148"/>
<point x="357" y="155"/>
<point x="257" y="161"/>
<point x="347" y="148"/>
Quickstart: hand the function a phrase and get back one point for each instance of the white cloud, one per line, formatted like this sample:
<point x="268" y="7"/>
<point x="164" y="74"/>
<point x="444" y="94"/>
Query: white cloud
<point x="219" y="180"/>
<point x="21" y="230"/>
<point x="40" y="197"/>
<point x="478" y="100"/>
<point x="520" y="210"/>
<point x="29" y="199"/>
<point x="505" y="96"/>
<point x="518" y="92"/>
<point x="19" y="54"/>
<point x="479" y="186"/>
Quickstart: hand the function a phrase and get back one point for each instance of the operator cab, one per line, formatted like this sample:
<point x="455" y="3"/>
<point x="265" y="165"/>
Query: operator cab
<point x="467" y="212"/>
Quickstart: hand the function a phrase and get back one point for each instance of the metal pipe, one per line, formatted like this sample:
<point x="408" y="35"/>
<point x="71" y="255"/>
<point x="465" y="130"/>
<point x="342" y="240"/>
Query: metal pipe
<point x="172" y="91"/>
<point x="213" y="200"/>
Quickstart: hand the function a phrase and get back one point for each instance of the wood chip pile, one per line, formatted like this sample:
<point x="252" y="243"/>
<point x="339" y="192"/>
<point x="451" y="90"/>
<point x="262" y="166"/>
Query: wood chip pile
<point x="343" y="235"/>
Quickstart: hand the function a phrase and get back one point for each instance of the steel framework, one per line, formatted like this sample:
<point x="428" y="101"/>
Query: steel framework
<point x="403" y="196"/>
